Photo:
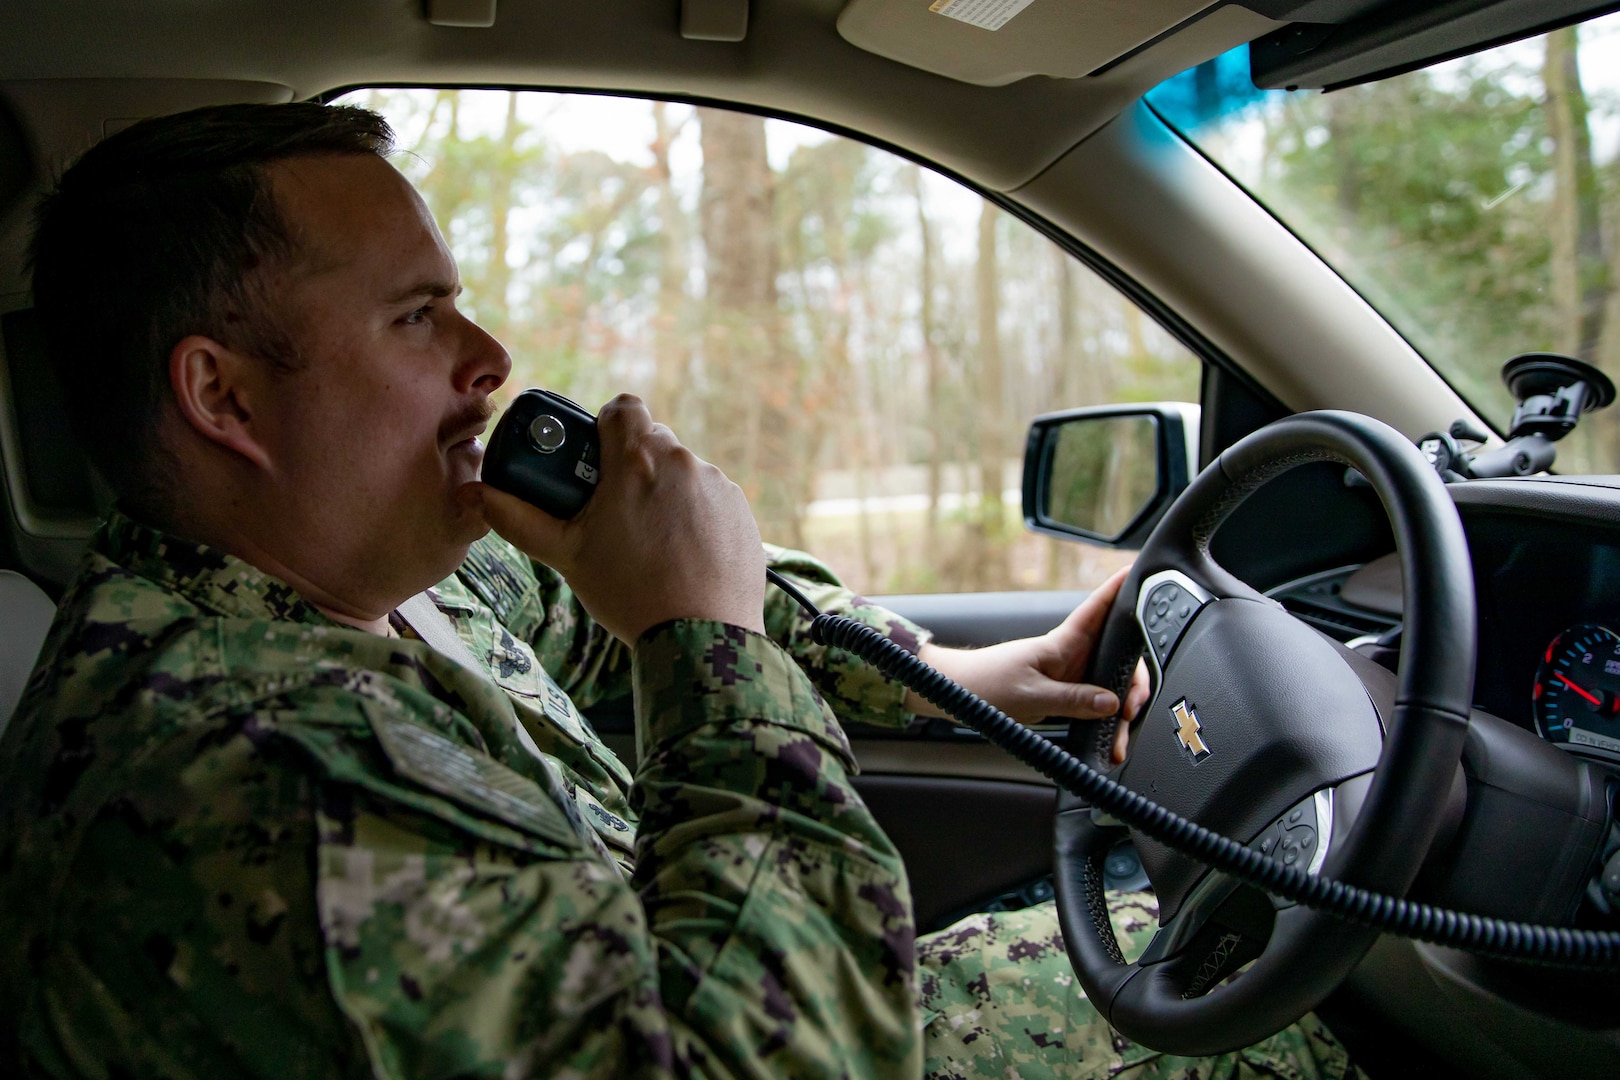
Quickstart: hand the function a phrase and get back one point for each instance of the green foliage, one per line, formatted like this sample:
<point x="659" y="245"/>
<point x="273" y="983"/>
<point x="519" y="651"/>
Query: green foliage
<point x="1435" y="190"/>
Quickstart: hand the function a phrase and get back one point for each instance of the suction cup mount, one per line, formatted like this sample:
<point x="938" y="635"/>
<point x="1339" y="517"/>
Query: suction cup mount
<point x="1554" y="392"/>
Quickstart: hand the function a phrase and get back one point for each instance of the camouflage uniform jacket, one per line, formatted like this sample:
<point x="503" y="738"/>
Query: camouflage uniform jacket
<point x="239" y="839"/>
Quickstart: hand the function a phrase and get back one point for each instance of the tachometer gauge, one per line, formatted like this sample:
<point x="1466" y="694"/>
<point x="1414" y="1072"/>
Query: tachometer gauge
<point x="1577" y="694"/>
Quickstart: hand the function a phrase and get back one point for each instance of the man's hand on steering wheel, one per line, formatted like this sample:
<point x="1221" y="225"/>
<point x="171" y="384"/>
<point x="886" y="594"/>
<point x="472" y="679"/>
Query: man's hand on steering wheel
<point x="1034" y="678"/>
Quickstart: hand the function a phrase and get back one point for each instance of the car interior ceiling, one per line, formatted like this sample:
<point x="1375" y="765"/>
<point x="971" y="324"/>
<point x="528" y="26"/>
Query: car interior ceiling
<point x="883" y="70"/>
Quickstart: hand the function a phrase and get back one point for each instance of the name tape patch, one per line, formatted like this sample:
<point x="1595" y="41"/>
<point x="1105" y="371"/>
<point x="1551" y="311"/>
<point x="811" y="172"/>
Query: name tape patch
<point x="474" y="780"/>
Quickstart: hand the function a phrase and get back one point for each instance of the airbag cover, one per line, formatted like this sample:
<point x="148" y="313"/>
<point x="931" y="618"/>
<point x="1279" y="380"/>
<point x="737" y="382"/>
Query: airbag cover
<point x="1280" y="715"/>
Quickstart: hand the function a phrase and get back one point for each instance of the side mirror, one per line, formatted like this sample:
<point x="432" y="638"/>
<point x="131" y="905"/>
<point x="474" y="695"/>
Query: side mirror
<point x="1108" y="473"/>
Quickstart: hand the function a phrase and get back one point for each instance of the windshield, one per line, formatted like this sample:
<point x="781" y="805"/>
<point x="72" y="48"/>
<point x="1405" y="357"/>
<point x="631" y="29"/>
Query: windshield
<point x="1475" y="203"/>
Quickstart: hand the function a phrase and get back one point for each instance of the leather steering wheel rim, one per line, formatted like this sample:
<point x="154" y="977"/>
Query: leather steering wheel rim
<point x="1182" y="1004"/>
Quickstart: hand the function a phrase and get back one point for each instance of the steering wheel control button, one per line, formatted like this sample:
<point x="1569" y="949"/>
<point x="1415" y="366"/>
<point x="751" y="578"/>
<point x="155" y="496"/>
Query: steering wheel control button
<point x="1296" y="845"/>
<point x="547" y="433"/>
<point x="1167" y="601"/>
<point x="1295" y="838"/>
<point x="1122" y="870"/>
<point x="1166" y="609"/>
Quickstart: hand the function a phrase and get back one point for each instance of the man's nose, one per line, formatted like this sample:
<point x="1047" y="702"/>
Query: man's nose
<point x="485" y="363"/>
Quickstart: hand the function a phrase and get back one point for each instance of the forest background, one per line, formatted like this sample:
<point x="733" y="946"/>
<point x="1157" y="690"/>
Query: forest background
<point x="860" y="343"/>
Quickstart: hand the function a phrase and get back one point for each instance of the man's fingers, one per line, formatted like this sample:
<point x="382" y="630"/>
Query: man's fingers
<point x="526" y="527"/>
<point x="1079" y="701"/>
<point x="1137" y="695"/>
<point x="622" y="424"/>
<point x="1135" y="698"/>
<point x="1079" y="631"/>
<point x="625" y="412"/>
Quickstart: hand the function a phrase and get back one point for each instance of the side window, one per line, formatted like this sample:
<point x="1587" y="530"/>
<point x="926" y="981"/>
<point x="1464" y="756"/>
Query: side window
<point x="857" y="341"/>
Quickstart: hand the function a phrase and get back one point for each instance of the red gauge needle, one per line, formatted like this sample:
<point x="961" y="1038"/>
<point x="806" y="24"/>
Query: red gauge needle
<point x="1559" y="675"/>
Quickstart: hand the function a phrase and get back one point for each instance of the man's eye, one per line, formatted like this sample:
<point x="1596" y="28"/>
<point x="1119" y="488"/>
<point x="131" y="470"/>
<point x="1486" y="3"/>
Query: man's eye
<point x="418" y="316"/>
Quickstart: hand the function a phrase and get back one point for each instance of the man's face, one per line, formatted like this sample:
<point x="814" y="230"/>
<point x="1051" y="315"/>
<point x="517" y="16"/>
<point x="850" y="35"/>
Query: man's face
<point x="374" y="431"/>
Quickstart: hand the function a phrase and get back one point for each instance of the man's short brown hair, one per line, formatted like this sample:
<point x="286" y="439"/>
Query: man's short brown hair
<point x="166" y="229"/>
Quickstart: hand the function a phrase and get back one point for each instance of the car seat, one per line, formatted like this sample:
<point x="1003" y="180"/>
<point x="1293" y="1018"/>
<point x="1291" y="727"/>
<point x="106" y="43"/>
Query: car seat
<point x="25" y="616"/>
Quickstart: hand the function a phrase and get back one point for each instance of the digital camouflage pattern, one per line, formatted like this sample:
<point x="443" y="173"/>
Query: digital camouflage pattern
<point x="999" y="999"/>
<point x="533" y="604"/>
<point x="238" y="839"/>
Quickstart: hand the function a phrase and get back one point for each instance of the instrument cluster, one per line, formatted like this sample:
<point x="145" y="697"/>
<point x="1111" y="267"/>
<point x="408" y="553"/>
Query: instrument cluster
<point x="1576" y="696"/>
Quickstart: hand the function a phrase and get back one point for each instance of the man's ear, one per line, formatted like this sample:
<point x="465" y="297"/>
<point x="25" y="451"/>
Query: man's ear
<point x="215" y="390"/>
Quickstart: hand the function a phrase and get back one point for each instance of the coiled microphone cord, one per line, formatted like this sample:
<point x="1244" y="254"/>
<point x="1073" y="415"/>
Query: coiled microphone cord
<point x="1550" y="945"/>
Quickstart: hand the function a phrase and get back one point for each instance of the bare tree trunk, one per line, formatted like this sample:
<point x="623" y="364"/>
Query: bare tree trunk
<point x="498" y="276"/>
<point x="1604" y="427"/>
<point x="1094" y="367"/>
<point x="863" y="492"/>
<point x="1580" y="269"/>
<point x="933" y="419"/>
<point x="672" y="353"/>
<point x="992" y="562"/>
<point x="749" y="421"/>
<point x="1060" y="555"/>
<point x="1136" y="330"/>
<point x="1064" y="374"/>
<point x="849" y="390"/>
<point x="444" y="190"/>
<point x="1341" y="120"/>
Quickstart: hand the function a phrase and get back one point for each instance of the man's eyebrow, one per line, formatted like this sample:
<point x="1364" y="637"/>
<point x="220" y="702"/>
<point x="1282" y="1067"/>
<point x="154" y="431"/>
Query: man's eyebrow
<point x="436" y="288"/>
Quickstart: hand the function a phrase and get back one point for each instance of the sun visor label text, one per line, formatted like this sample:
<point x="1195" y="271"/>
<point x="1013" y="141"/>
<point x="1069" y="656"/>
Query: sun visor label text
<point x="985" y="14"/>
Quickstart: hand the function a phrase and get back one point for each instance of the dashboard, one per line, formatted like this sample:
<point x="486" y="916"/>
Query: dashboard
<point x="1546" y="557"/>
<point x="1549" y="605"/>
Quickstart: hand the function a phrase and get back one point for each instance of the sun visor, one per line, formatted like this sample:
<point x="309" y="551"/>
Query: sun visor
<point x="995" y="42"/>
<point x="1396" y="37"/>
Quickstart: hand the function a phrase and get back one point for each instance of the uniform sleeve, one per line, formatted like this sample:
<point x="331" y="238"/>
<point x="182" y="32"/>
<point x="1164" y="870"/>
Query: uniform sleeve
<point x="856" y="690"/>
<point x="536" y="604"/>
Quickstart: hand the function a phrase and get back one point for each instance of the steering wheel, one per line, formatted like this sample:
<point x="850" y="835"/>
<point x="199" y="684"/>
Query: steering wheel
<point x="1261" y="728"/>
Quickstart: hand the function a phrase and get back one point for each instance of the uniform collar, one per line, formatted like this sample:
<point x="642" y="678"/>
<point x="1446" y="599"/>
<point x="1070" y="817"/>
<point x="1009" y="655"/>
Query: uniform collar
<point x="208" y="577"/>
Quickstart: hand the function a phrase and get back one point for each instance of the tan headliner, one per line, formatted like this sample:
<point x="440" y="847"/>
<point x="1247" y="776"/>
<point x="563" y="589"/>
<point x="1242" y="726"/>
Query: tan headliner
<point x="793" y="60"/>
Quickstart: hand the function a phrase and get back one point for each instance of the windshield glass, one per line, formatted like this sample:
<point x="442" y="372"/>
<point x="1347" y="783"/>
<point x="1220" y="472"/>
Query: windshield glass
<point x="1475" y="203"/>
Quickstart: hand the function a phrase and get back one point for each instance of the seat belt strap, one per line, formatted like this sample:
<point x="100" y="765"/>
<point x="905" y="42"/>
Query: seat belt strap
<point x="430" y="624"/>
<point x="435" y="630"/>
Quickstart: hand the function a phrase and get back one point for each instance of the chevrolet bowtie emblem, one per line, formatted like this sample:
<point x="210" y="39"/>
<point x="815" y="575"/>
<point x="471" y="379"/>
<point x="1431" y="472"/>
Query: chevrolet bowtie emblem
<point x="1187" y="730"/>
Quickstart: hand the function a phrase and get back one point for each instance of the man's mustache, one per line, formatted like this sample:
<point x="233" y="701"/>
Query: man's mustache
<point x="467" y="423"/>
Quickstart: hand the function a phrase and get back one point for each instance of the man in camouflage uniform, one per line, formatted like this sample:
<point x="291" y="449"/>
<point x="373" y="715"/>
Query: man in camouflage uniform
<point x="253" y="824"/>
